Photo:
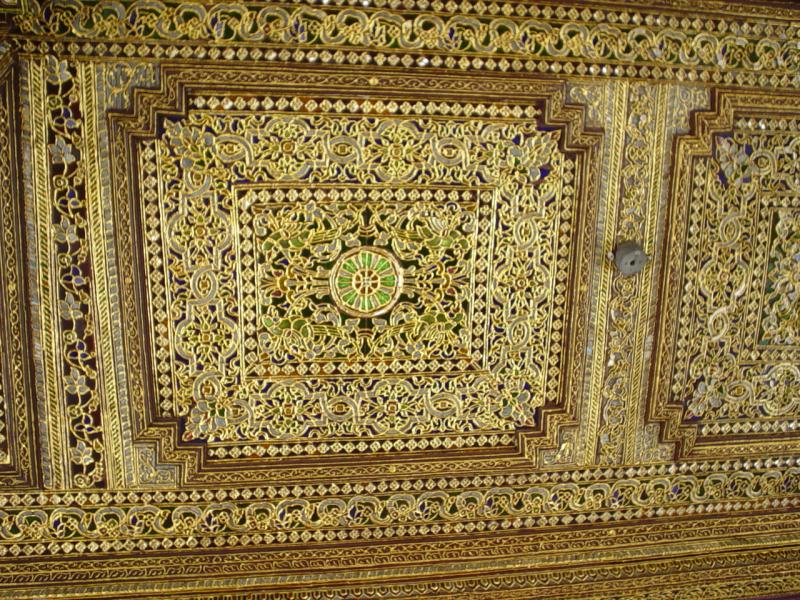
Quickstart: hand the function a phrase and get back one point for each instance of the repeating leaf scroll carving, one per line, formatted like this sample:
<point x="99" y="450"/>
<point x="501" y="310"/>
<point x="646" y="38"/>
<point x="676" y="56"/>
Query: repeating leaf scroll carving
<point x="736" y="355"/>
<point x="261" y="206"/>
<point x="70" y="222"/>
<point x="650" y="46"/>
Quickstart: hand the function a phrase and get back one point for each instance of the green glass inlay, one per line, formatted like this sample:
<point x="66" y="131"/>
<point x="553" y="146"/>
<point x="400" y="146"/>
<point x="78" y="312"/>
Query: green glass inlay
<point x="365" y="281"/>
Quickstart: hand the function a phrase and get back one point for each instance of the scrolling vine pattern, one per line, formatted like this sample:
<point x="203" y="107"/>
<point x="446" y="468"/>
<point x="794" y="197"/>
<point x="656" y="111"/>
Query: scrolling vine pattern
<point x="658" y="45"/>
<point x="781" y="321"/>
<point x="300" y="235"/>
<point x="255" y="516"/>
<point x="288" y="243"/>
<point x="70" y="238"/>
<point x="750" y="181"/>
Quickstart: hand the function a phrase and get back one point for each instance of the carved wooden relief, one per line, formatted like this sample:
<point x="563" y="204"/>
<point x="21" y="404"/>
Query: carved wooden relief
<point x="317" y="299"/>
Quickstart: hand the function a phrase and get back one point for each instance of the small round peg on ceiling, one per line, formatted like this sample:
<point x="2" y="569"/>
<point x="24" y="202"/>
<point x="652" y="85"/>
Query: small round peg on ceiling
<point x="630" y="258"/>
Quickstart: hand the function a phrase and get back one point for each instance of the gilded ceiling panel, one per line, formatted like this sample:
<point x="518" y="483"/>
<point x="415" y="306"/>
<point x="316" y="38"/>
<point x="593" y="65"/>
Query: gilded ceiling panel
<point x="319" y="299"/>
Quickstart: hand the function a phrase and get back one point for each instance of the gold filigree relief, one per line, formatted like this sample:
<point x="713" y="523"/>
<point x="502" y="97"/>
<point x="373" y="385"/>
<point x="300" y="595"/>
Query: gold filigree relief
<point x="457" y="352"/>
<point x="453" y="315"/>
<point x="653" y="117"/>
<point x="318" y="299"/>
<point x="735" y="372"/>
<point x="780" y="321"/>
<point x="18" y="450"/>
<point x="483" y="554"/>
<point x="66" y="234"/>
<point x="427" y="240"/>
<point x="304" y="514"/>
<point x="152" y="474"/>
<point x="745" y="170"/>
<point x="640" y="123"/>
<point x="503" y="37"/>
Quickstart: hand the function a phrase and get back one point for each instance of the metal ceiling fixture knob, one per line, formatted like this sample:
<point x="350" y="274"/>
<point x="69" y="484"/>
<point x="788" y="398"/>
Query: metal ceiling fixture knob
<point x="630" y="258"/>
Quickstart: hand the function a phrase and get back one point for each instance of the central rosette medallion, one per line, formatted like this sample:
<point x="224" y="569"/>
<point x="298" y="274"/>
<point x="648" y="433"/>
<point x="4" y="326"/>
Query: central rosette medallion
<point x="356" y="280"/>
<point x="366" y="281"/>
<point x="326" y="273"/>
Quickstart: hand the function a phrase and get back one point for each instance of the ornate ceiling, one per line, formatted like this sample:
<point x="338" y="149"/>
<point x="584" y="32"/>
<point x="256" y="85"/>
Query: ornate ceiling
<point x="317" y="300"/>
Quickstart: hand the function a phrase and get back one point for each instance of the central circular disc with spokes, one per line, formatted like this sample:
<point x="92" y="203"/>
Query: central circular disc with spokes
<point x="366" y="281"/>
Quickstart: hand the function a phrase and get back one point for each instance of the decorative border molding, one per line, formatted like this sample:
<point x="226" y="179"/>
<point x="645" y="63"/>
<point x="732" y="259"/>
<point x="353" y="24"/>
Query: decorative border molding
<point x="519" y="37"/>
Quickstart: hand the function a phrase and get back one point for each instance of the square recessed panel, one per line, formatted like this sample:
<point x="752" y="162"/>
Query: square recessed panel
<point x="327" y="270"/>
<point x="314" y="307"/>
<point x="735" y="370"/>
<point x="310" y="274"/>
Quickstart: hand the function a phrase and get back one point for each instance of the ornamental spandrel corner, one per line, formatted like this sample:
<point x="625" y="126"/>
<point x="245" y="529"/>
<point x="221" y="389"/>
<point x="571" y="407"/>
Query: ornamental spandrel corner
<point x="321" y="299"/>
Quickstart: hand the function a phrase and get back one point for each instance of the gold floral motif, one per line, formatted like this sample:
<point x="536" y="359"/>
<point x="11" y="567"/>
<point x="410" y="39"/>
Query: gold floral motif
<point x="780" y="323"/>
<point x="69" y="223"/>
<point x="567" y="38"/>
<point x="366" y="281"/>
<point x="302" y="236"/>
<point x="735" y="371"/>
<point x="392" y="183"/>
<point x="117" y="79"/>
<point x="205" y="416"/>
